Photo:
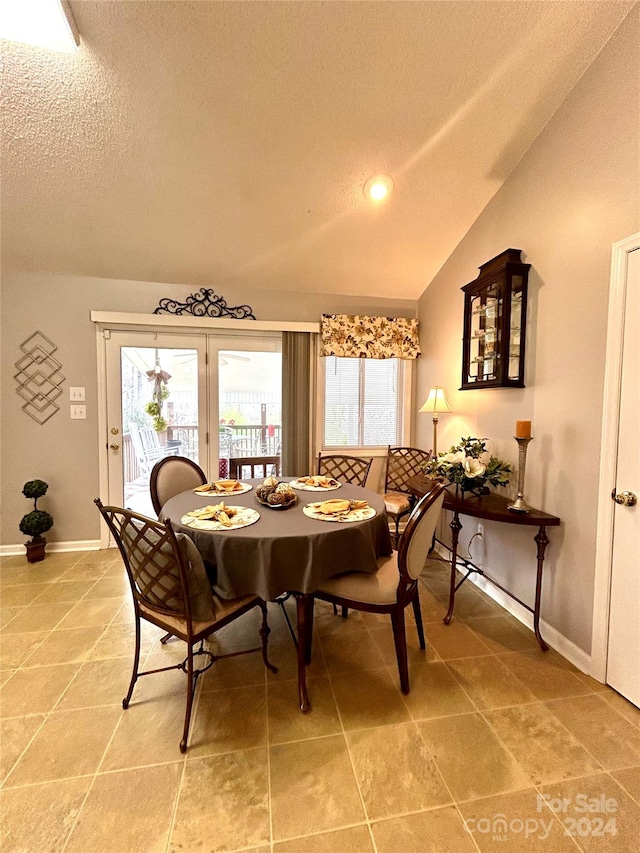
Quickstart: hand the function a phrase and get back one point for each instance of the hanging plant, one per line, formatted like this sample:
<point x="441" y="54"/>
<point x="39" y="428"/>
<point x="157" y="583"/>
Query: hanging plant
<point x="153" y="408"/>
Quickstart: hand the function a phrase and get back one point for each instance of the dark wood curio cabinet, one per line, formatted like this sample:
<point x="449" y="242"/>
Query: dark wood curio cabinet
<point x="495" y="314"/>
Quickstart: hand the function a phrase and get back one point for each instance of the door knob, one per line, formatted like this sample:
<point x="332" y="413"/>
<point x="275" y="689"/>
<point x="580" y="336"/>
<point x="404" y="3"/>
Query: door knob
<point x="624" y="498"/>
<point x="114" y="446"/>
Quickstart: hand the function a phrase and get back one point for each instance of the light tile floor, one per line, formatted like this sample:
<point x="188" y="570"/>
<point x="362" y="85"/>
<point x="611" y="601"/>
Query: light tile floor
<point x="494" y="733"/>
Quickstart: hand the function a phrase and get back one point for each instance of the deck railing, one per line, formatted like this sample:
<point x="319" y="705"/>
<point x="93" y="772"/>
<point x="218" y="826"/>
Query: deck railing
<point x="235" y="440"/>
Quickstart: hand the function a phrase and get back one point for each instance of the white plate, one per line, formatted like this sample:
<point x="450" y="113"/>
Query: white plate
<point x="202" y="490"/>
<point x="245" y="516"/>
<point x="353" y="515"/>
<point x="303" y="487"/>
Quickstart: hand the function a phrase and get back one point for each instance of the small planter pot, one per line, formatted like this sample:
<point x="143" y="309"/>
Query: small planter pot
<point x="35" y="549"/>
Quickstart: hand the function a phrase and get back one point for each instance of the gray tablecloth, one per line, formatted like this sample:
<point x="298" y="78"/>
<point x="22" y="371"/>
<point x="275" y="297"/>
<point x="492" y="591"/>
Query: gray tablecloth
<point x="285" y="551"/>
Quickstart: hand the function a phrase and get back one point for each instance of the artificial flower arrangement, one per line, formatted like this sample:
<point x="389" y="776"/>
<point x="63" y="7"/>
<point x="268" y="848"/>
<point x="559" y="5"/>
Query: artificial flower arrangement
<point x="466" y="465"/>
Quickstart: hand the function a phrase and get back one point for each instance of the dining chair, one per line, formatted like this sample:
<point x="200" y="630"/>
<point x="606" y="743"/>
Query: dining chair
<point x="258" y="466"/>
<point x="172" y="475"/>
<point x="347" y="469"/>
<point x="402" y="463"/>
<point x="393" y="587"/>
<point x="170" y="590"/>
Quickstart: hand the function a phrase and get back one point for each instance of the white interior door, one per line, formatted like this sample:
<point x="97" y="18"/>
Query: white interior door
<point x="623" y="671"/>
<point x="143" y="370"/>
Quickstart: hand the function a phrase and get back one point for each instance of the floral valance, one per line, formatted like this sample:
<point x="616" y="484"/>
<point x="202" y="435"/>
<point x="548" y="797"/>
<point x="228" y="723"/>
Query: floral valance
<point x="352" y="336"/>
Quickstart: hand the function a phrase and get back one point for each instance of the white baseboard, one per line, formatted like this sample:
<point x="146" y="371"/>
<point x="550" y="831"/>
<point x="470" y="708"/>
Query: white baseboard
<point x="53" y="547"/>
<point x="575" y="655"/>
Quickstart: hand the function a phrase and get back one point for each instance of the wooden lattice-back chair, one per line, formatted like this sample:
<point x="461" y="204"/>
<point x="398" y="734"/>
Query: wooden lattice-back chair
<point x="346" y="469"/>
<point x="170" y="589"/>
<point x="402" y="463"/>
<point x="171" y="476"/>
<point x="393" y="587"/>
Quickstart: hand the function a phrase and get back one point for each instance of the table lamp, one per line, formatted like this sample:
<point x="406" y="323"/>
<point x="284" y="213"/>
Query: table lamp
<point x="436" y="403"/>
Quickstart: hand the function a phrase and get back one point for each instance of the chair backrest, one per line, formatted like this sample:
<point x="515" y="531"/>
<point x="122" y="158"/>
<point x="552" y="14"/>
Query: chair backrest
<point x="347" y="469"/>
<point x="402" y="463"/>
<point x="416" y="540"/>
<point x="165" y="570"/>
<point x="258" y="466"/>
<point x="150" y="442"/>
<point x="172" y="475"/>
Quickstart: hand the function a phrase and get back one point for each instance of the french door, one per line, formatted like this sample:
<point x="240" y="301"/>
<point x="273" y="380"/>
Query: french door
<point x="204" y="396"/>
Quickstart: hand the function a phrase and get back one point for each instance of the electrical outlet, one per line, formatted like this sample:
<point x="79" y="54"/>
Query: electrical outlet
<point x="481" y="530"/>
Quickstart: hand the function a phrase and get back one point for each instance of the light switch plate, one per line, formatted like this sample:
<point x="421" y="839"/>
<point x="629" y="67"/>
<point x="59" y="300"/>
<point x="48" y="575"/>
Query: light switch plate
<point x="78" y="413"/>
<point x="76" y="394"/>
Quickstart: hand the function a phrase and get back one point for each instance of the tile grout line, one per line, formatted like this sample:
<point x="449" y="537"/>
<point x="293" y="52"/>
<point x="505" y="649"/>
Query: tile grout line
<point x="349" y="754"/>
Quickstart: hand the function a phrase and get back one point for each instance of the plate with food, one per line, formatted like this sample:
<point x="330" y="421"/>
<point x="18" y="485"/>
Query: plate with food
<point x="315" y="483"/>
<point x="220" y="517"/>
<point x="339" y="510"/>
<point x="218" y="488"/>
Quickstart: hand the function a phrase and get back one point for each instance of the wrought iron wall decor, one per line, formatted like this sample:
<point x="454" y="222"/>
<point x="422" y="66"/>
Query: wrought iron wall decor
<point x="39" y="378"/>
<point x="204" y="303"/>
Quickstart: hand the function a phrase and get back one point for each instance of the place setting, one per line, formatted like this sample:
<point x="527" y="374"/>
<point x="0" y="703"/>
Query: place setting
<point x="219" y="488"/>
<point x="339" y="510"/>
<point x="315" y="483"/>
<point x="220" y="517"/>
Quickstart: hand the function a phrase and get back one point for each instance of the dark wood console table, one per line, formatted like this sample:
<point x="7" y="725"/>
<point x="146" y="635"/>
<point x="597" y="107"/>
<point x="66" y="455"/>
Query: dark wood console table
<point x="491" y="507"/>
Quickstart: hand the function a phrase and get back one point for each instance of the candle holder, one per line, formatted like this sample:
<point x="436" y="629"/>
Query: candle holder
<point x="520" y="505"/>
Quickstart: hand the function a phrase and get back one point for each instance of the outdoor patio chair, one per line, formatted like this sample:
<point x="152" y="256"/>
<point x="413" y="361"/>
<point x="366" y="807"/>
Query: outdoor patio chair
<point x="147" y="447"/>
<point x="170" y="590"/>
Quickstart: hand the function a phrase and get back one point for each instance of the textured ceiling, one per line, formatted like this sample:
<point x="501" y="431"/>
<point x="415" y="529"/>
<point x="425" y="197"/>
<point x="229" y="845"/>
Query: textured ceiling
<point x="213" y="143"/>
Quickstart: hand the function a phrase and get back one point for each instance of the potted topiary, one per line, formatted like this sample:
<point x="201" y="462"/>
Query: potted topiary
<point x="36" y="522"/>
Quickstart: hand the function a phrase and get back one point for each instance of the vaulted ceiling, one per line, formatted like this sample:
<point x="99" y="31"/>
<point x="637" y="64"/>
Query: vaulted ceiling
<point x="212" y="143"/>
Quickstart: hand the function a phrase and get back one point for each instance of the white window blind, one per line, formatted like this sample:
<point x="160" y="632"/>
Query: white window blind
<point x="363" y="402"/>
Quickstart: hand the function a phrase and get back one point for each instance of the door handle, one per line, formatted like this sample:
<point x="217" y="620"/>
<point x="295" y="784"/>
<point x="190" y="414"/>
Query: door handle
<point x="624" y="498"/>
<point x="114" y="446"/>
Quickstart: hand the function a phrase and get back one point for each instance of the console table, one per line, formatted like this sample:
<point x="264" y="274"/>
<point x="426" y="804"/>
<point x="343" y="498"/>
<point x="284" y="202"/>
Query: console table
<point x="491" y="507"/>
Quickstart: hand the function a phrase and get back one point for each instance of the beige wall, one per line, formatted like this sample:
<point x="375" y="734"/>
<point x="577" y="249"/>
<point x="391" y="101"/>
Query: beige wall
<point x="65" y="452"/>
<point x="572" y="196"/>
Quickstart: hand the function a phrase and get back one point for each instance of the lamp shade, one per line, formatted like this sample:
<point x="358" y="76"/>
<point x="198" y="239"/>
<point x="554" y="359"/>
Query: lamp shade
<point x="436" y="402"/>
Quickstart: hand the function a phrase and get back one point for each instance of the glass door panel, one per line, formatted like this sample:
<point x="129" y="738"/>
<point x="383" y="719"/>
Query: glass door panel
<point x="249" y="407"/>
<point x="156" y="403"/>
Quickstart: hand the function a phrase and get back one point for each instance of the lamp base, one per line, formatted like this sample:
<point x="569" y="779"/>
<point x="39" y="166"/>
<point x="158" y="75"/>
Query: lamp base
<point x="519" y="505"/>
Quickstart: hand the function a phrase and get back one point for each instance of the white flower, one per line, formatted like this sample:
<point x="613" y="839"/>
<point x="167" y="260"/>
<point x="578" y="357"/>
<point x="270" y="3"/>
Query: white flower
<point x="453" y="458"/>
<point x="473" y="467"/>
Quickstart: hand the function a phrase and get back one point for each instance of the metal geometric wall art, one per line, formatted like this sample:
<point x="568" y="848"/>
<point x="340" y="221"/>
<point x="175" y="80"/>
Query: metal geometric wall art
<point x="39" y="378"/>
<point x="204" y="303"/>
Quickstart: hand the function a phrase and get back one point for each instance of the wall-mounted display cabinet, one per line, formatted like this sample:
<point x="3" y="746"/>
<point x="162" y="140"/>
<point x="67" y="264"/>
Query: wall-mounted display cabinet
<point x="495" y="314"/>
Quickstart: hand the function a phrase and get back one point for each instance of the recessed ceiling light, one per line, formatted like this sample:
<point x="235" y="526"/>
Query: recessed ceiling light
<point x="378" y="188"/>
<point x="43" y="23"/>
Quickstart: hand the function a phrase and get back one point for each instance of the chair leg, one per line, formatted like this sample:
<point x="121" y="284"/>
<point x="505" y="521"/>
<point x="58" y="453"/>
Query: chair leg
<point x="418" y="617"/>
<point x="190" y="686"/>
<point x="400" y="641"/>
<point x="345" y="612"/>
<point x="309" y="623"/>
<point x="265" y="630"/>
<point x="136" y="662"/>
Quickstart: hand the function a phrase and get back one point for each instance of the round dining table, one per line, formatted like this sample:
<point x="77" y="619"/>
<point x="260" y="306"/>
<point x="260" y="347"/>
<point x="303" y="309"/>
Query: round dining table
<point x="285" y="551"/>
